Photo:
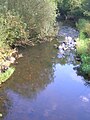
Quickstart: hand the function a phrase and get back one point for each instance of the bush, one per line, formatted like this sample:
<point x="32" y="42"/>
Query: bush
<point x="78" y="8"/>
<point x="70" y="7"/>
<point x="12" y="28"/>
<point x="38" y="14"/>
<point x="86" y="8"/>
<point x="83" y="49"/>
<point x="84" y="27"/>
<point x="85" y="63"/>
<point x="83" y="45"/>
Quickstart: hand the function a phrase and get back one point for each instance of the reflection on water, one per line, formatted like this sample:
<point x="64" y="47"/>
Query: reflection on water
<point x="45" y="87"/>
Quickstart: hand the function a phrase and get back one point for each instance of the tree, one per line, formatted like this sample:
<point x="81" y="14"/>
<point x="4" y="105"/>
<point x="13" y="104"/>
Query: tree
<point x="86" y="7"/>
<point x="70" y="7"/>
<point x="38" y="14"/>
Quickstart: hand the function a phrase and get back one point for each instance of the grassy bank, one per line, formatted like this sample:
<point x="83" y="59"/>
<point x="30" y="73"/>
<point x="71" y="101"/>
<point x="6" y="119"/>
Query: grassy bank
<point x="83" y="45"/>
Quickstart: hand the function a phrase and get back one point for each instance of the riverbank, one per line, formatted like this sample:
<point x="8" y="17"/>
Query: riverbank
<point x="77" y="39"/>
<point x="83" y="45"/>
<point x="7" y="57"/>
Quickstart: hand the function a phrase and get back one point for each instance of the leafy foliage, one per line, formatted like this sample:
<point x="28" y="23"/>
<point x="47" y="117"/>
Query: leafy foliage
<point x="70" y="7"/>
<point x="86" y="7"/>
<point x="11" y="28"/>
<point x="19" y="16"/>
<point x="83" y="45"/>
<point x="6" y="75"/>
<point x="38" y="14"/>
<point x="84" y="27"/>
<point x="86" y="63"/>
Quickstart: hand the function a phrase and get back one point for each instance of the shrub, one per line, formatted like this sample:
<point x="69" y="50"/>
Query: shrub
<point x="70" y="7"/>
<point x="83" y="45"/>
<point x="12" y="28"/>
<point x="84" y="27"/>
<point x="38" y="14"/>
<point x="85" y="63"/>
<point x="83" y="49"/>
<point x="86" y="7"/>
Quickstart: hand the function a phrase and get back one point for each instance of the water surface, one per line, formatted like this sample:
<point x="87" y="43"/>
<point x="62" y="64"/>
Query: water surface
<point x="45" y="87"/>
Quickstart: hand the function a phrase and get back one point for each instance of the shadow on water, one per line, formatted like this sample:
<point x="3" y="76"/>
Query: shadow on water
<point x="45" y="87"/>
<point x="34" y="71"/>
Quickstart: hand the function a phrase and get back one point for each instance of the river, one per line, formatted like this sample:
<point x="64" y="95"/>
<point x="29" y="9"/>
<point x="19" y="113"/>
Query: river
<point x="45" y="86"/>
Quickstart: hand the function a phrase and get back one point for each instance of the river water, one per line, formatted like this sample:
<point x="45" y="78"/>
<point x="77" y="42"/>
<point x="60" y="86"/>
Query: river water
<point x="45" y="87"/>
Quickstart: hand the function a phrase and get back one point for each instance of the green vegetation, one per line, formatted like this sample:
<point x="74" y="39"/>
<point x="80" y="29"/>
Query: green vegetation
<point x="26" y="20"/>
<point x="12" y="29"/>
<point x="23" y="22"/>
<point x="39" y="15"/>
<point x="6" y="75"/>
<point x="83" y="45"/>
<point x="86" y="7"/>
<point x="70" y="8"/>
<point x="79" y="12"/>
<point x="74" y="8"/>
